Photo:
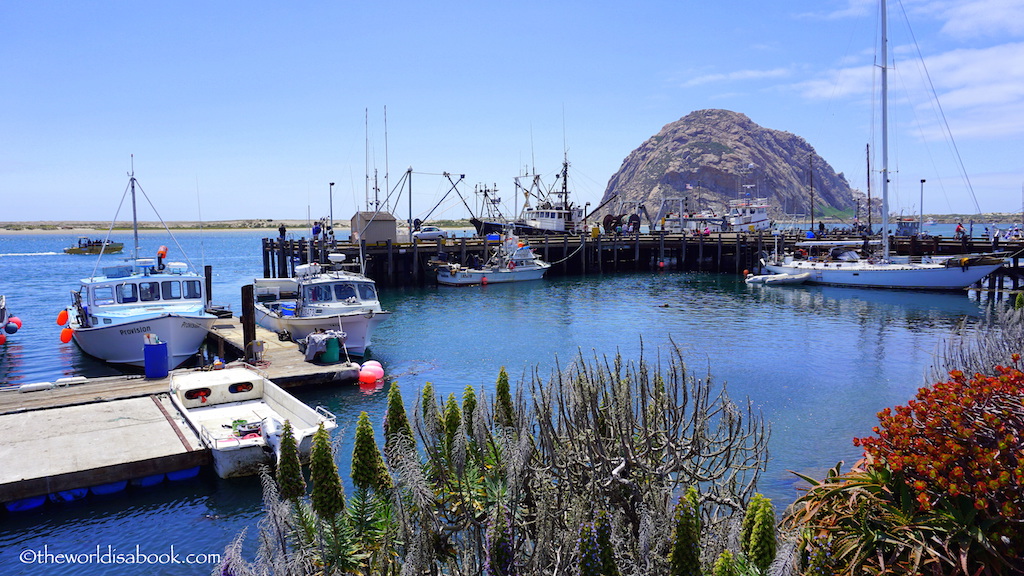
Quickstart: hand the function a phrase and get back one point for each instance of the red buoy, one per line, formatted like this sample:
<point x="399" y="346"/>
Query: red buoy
<point x="3" y="338"/>
<point x="62" y="318"/>
<point x="15" y="320"/>
<point x="65" y="335"/>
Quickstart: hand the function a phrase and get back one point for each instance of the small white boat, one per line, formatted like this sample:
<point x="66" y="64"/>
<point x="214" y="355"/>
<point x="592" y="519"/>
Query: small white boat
<point x="318" y="300"/>
<point x="111" y="313"/>
<point x="511" y="261"/>
<point x="778" y="278"/>
<point x="239" y="415"/>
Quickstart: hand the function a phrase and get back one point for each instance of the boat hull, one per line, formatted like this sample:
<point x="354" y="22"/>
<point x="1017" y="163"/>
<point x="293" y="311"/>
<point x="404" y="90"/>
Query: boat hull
<point x="884" y="275"/>
<point x="470" y="277"/>
<point x="358" y="328"/>
<point x="771" y="279"/>
<point x="124" y="343"/>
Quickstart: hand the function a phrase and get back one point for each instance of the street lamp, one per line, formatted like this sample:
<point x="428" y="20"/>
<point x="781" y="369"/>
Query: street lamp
<point x="331" y="194"/>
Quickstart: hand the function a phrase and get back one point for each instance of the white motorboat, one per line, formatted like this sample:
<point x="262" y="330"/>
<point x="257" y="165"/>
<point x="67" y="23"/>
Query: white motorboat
<point x="318" y="300"/>
<point x="772" y="279"/>
<point x="239" y="415"/>
<point x="511" y="261"/>
<point x="111" y="313"/>
<point x="884" y="271"/>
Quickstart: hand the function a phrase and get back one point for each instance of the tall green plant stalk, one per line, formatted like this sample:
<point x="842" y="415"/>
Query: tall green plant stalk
<point x="291" y="485"/>
<point x="684" y="558"/>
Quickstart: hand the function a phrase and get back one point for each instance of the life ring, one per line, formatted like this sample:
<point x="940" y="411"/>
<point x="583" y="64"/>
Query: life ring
<point x="511" y="265"/>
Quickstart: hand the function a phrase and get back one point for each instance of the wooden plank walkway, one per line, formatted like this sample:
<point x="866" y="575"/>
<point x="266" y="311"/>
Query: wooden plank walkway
<point x="282" y="361"/>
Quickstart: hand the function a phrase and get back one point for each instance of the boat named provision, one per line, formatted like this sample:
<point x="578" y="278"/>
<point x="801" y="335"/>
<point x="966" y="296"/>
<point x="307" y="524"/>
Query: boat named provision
<point x="239" y="415"/>
<point x="110" y="314"/>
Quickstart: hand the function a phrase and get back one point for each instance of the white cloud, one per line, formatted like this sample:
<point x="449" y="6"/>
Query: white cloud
<point x="984" y="18"/>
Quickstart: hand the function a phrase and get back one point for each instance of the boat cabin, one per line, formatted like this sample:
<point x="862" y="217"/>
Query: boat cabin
<point x="119" y="288"/>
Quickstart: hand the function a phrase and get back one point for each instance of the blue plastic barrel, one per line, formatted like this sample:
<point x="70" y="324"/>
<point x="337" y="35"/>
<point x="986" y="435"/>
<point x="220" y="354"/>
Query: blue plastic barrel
<point x="155" y="356"/>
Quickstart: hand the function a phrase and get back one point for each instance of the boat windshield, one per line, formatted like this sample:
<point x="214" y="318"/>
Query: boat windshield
<point x="340" y="292"/>
<point x="147" y="291"/>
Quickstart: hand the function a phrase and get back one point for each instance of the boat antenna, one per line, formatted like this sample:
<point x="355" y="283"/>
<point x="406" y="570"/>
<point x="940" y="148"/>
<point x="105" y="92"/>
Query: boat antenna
<point x="366" y="156"/>
<point x="135" y="219"/>
<point x="199" y="208"/>
<point x="885" y="136"/>
<point x="387" y="169"/>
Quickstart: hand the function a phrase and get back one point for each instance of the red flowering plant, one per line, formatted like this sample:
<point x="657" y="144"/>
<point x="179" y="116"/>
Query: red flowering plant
<point x="959" y="447"/>
<point x="940" y="490"/>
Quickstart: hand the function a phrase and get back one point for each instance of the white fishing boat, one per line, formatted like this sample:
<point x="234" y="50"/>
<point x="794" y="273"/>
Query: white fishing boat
<point x="553" y="213"/>
<point x="318" y="299"/>
<point x="511" y="261"/>
<point x="748" y="215"/>
<point x="883" y="270"/>
<point x="773" y="279"/>
<point x="239" y="415"/>
<point x="111" y="312"/>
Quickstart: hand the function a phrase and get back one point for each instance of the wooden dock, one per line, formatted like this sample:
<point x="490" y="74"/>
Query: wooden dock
<point x="85" y="432"/>
<point x="403" y="264"/>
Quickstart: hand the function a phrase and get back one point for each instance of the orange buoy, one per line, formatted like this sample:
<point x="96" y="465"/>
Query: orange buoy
<point x="62" y="318"/>
<point x="65" y="335"/>
<point x="367" y="377"/>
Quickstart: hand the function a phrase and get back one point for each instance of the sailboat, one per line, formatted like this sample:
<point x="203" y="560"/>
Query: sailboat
<point x="114" y="315"/>
<point x="847" y="268"/>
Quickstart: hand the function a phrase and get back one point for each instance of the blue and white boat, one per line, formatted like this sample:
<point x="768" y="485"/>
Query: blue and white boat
<point x="111" y="313"/>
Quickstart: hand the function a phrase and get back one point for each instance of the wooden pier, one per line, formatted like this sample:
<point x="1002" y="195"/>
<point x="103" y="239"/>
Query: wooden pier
<point x="408" y="264"/>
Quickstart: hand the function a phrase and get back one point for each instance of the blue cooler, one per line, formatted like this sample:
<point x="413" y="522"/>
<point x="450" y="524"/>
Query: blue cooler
<point x="155" y="356"/>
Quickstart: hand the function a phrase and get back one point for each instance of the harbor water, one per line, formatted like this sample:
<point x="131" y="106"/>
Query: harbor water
<point x="817" y="362"/>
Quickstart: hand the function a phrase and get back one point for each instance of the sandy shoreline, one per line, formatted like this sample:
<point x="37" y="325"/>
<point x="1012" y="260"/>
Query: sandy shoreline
<point x="99" y="229"/>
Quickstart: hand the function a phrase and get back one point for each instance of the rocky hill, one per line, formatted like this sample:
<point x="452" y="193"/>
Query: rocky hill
<point x="713" y="156"/>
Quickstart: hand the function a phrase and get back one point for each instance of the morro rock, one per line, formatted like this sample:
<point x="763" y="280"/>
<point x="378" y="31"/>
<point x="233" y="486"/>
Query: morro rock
<point x="713" y="156"/>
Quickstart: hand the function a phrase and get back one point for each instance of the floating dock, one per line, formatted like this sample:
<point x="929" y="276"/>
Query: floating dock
<point x="80" y="433"/>
<point x="48" y="451"/>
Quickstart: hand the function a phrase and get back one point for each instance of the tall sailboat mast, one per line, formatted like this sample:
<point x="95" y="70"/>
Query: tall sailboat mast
<point x="885" y="136"/>
<point x="135" y="218"/>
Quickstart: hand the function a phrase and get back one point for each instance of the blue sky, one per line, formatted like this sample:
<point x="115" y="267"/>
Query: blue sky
<point x="249" y="109"/>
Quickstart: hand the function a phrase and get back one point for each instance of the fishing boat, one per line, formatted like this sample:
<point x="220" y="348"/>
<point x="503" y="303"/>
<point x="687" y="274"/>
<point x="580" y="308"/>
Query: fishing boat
<point x="86" y="245"/>
<point x="511" y="261"/>
<point x="112" y="312"/>
<point x="773" y="279"/>
<point x="883" y="270"/>
<point x="553" y="213"/>
<point x="748" y="215"/>
<point x="318" y="299"/>
<point x="239" y="415"/>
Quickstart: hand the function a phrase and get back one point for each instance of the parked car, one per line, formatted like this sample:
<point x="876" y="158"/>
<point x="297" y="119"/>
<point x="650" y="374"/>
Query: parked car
<point x="430" y="233"/>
